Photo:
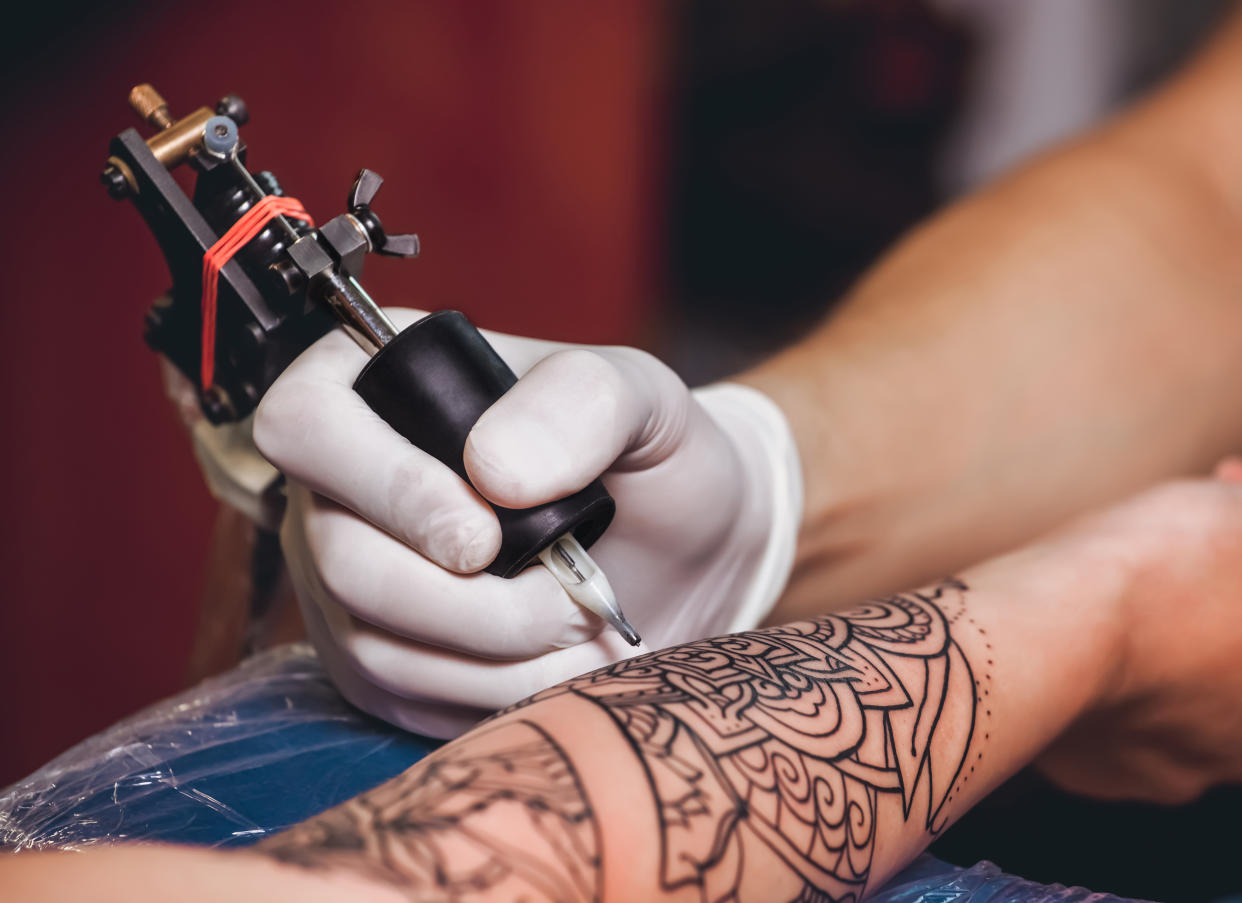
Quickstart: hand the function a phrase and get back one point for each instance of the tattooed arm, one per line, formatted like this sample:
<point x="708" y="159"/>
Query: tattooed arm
<point x="803" y="763"/>
<point x="809" y="762"/>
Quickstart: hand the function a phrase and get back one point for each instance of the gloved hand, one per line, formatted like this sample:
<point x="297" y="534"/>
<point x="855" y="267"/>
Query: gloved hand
<point x="384" y="543"/>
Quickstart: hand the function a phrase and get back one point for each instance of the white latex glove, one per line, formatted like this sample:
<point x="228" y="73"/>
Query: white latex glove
<point x="383" y="541"/>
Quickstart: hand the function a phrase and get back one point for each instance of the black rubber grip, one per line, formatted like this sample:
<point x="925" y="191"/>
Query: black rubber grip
<point x="431" y="384"/>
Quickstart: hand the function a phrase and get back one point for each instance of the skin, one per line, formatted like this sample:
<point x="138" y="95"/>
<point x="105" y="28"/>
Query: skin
<point x="1133" y="612"/>
<point x="1053" y="343"/>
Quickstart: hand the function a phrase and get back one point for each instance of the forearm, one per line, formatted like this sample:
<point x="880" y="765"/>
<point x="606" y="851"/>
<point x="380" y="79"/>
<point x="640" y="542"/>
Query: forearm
<point x="822" y="755"/>
<point x="133" y="873"/>
<point x="1051" y="343"/>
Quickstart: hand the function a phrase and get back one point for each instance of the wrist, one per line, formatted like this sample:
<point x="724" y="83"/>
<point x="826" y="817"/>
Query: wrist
<point x="1063" y="598"/>
<point x="766" y="528"/>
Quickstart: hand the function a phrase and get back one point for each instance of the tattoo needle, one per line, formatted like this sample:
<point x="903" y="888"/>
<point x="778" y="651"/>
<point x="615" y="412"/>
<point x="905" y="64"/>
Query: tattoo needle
<point x="586" y="583"/>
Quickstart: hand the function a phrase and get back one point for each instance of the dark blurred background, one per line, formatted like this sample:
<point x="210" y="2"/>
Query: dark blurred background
<point x="702" y="178"/>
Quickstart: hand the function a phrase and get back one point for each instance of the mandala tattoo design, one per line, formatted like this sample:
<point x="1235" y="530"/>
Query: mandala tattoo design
<point x="767" y="753"/>
<point x="432" y="832"/>
<point x="780" y="741"/>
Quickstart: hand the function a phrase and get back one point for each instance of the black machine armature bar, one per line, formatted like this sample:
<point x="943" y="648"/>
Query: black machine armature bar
<point x="260" y="329"/>
<point x="182" y="233"/>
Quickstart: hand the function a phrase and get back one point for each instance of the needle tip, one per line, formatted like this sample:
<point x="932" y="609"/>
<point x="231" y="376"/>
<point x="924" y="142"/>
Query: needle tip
<point x="627" y="631"/>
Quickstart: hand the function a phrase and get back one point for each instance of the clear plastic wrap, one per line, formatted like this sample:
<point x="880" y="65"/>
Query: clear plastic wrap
<point x="271" y="743"/>
<point x="236" y="757"/>
<point x="928" y="880"/>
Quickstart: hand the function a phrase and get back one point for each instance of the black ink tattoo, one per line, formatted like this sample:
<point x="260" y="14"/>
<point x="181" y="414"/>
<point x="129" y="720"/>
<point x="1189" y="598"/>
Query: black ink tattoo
<point x="766" y="753"/>
<point x="506" y="818"/>
<point x="771" y="748"/>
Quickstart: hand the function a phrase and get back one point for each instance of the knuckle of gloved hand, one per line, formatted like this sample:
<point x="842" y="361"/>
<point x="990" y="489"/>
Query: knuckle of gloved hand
<point x="355" y="649"/>
<point x="634" y="364"/>
<point x="663" y="396"/>
<point x="555" y="393"/>
<point x="539" y="438"/>
<point x="373" y="658"/>
<point x="410" y="500"/>
<point x="435" y="513"/>
<point x="596" y="381"/>
<point x="336" y="556"/>
<point x="664" y="406"/>
<point x="589" y="365"/>
<point x="461" y="541"/>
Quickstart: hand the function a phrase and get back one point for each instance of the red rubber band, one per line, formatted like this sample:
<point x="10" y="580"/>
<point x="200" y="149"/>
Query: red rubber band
<point x="251" y="223"/>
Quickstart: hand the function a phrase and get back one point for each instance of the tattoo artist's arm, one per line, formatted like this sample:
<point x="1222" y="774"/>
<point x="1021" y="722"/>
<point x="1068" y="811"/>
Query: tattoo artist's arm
<point x="803" y="762"/>
<point x="1054" y="342"/>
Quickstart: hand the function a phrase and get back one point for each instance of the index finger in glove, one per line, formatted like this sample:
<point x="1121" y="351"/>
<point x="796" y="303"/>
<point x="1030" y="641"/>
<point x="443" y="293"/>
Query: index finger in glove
<point x="315" y="428"/>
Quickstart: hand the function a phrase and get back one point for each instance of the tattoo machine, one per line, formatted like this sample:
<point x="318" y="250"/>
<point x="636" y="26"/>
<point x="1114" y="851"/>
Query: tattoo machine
<point x="255" y="282"/>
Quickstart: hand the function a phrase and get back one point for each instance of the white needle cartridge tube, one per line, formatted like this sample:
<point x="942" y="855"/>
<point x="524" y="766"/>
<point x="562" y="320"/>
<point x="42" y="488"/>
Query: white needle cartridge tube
<point x="586" y="583"/>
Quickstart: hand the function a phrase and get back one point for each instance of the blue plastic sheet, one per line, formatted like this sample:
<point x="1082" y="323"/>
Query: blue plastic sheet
<point x="237" y="757"/>
<point x="928" y="880"/>
<point x="272" y="743"/>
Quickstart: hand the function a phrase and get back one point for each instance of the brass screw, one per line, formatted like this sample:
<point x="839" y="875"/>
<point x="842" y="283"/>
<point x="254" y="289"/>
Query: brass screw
<point x="148" y="104"/>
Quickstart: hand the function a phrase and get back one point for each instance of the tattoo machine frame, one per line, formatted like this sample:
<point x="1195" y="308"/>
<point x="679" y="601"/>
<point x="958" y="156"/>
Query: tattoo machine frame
<point x="249" y="266"/>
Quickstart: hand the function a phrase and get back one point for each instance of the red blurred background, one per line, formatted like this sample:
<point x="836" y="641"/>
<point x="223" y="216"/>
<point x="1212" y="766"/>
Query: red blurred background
<point x="517" y="138"/>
